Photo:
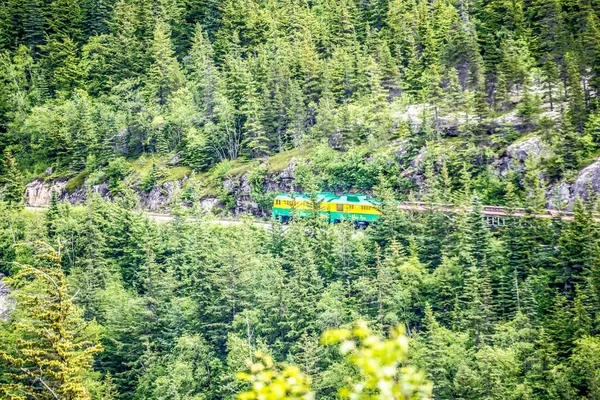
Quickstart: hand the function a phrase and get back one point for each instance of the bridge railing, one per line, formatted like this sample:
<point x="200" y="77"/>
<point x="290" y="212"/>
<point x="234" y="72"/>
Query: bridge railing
<point x="488" y="210"/>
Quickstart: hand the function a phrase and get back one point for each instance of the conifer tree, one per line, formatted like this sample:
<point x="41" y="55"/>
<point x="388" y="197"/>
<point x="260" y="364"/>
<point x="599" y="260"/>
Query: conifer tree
<point x="52" y="215"/>
<point x="204" y="78"/>
<point x="82" y="131"/>
<point x="65" y="19"/>
<point x="575" y="94"/>
<point x="480" y="242"/>
<point x="34" y="24"/>
<point x="559" y="326"/>
<point x="578" y="246"/>
<point x="129" y="57"/>
<point x="256" y="136"/>
<point x="56" y="347"/>
<point x="164" y="77"/>
<point x="61" y="63"/>
<point x="302" y="291"/>
<point x="97" y="15"/>
<point x="378" y="121"/>
<point x="12" y="180"/>
<point x="550" y="80"/>
<point x="309" y="354"/>
<point x="477" y="307"/>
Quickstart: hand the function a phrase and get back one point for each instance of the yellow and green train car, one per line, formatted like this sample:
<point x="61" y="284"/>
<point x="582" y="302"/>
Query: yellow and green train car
<point x="358" y="208"/>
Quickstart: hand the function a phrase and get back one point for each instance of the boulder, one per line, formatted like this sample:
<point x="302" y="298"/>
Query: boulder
<point x="241" y="191"/>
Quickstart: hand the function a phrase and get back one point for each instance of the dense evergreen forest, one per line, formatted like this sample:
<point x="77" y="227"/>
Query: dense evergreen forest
<point x="86" y="83"/>
<point x="105" y="303"/>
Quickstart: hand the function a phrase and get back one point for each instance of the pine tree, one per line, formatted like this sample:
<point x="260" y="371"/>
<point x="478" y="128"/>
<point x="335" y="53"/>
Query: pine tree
<point x="530" y="106"/>
<point x="378" y="121"/>
<point x="445" y="284"/>
<point x="61" y="63"/>
<point x="582" y="321"/>
<point x="204" y="77"/>
<point x="479" y="238"/>
<point x="309" y="354"/>
<point x="578" y="246"/>
<point x="129" y="56"/>
<point x="34" y="24"/>
<point x="82" y="131"/>
<point x="453" y="96"/>
<point x="164" y="77"/>
<point x="393" y="224"/>
<point x="558" y="325"/>
<point x="12" y="180"/>
<point x="302" y="292"/>
<point x="575" y="94"/>
<point x="477" y="307"/>
<point x="548" y="27"/>
<point x="56" y="346"/>
<point x="65" y="20"/>
<point x="96" y="16"/>
<point x="256" y="136"/>
<point x="550" y="80"/>
<point x="53" y="215"/>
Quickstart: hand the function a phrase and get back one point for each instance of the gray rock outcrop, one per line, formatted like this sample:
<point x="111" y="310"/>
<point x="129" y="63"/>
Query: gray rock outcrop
<point x="516" y="154"/>
<point x="566" y="193"/>
<point x="161" y="196"/>
<point x="6" y="303"/>
<point x="38" y="192"/>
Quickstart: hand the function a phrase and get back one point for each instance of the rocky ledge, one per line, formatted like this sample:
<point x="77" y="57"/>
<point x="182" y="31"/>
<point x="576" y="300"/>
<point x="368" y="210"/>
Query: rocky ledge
<point x="162" y="196"/>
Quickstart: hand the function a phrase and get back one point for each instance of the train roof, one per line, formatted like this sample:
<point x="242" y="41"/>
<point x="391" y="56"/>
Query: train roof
<point x="352" y="198"/>
<point x="360" y="199"/>
<point x="322" y="196"/>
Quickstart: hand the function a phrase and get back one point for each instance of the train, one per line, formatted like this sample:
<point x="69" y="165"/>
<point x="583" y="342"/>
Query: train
<point x="360" y="209"/>
<point x="363" y="209"/>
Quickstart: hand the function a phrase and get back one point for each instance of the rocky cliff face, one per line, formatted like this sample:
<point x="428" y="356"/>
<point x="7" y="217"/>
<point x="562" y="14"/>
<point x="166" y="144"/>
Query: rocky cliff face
<point x="161" y="197"/>
<point x="6" y="303"/>
<point x="242" y="199"/>
<point x="566" y="193"/>
<point x="38" y="193"/>
<point x="516" y="154"/>
<point x="241" y="189"/>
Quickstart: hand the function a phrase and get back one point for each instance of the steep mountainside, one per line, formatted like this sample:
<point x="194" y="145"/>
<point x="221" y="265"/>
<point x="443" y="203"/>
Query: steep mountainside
<point x="206" y="88"/>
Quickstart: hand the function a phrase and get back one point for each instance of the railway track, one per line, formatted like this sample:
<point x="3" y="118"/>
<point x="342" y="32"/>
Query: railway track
<point x="488" y="211"/>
